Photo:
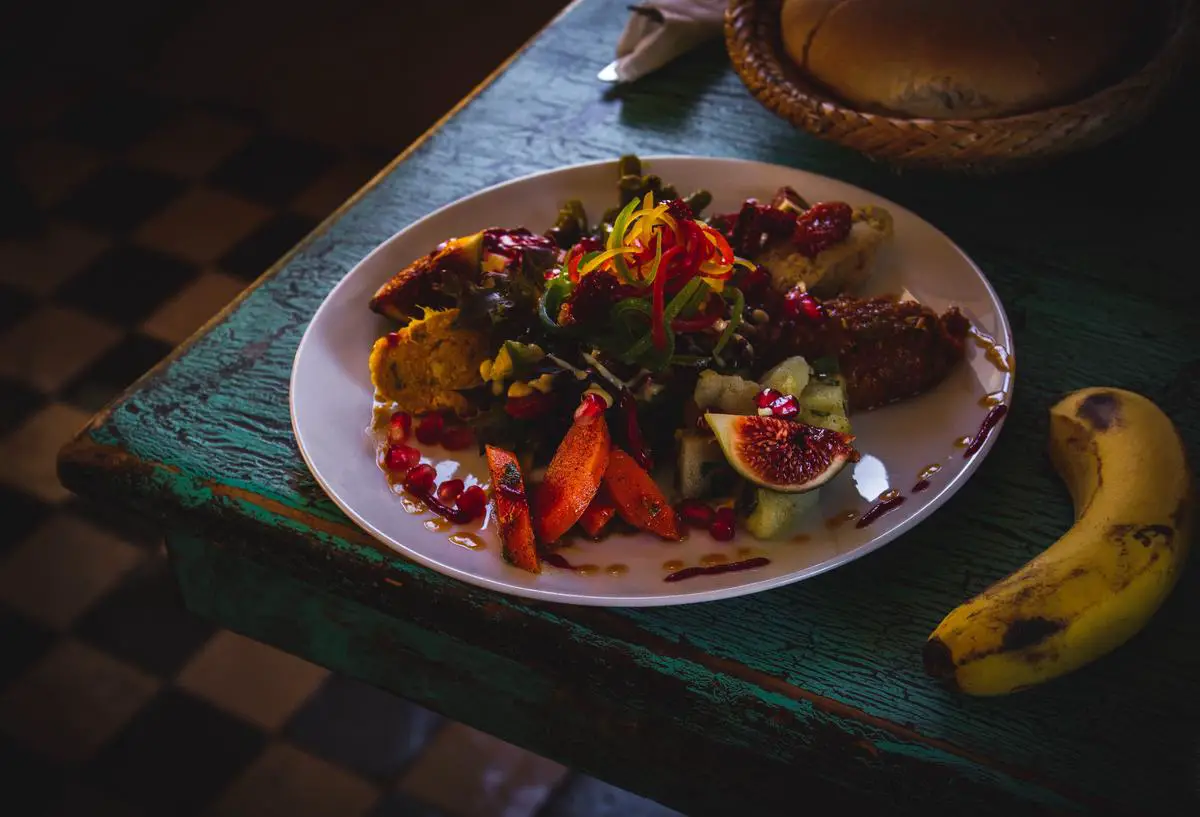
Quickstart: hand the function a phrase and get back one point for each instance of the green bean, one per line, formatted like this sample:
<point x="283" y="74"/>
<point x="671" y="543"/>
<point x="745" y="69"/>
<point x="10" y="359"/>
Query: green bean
<point x="697" y="201"/>
<point x="570" y="225"/>
<point x="630" y="188"/>
<point x="629" y="165"/>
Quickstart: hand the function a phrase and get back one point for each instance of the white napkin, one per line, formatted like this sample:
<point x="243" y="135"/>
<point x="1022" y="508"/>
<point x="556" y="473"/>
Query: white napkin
<point x="658" y="31"/>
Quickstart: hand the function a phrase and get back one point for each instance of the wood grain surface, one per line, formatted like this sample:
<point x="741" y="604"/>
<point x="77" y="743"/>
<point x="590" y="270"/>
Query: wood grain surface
<point x="754" y="705"/>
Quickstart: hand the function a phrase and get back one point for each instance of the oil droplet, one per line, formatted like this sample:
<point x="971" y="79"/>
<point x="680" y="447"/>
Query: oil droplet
<point x="587" y="570"/>
<point x="672" y="565"/>
<point x="963" y="442"/>
<point x="801" y="537"/>
<point x="888" y="495"/>
<point x="993" y="399"/>
<point x="928" y="471"/>
<point x="710" y="559"/>
<point x="617" y="570"/>
<point x="996" y="354"/>
<point x="999" y="357"/>
<point x="412" y="504"/>
<point x="746" y="553"/>
<point x="437" y="524"/>
<point x="468" y="540"/>
<point x="841" y="518"/>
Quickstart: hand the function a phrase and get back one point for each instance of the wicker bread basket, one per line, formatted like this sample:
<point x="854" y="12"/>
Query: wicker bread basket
<point x="755" y="46"/>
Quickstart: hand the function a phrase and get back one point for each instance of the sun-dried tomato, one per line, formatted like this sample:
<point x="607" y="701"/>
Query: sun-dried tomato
<point x="821" y="226"/>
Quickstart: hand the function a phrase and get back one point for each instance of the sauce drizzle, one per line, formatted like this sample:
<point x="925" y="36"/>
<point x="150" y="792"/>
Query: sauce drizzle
<point x="672" y="565"/>
<point x="437" y="524"/>
<point x="617" y="570"/>
<point x="993" y="399"/>
<point x="710" y="559"/>
<point x="560" y="561"/>
<point x="994" y="416"/>
<point x="840" y="518"/>
<point x="557" y="560"/>
<point x="880" y="508"/>
<point x="924" y="476"/>
<point x="712" y="570"/>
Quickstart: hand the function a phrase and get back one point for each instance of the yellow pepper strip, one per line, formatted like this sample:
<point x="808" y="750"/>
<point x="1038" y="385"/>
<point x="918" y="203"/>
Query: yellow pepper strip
<point x="584" y="269"/>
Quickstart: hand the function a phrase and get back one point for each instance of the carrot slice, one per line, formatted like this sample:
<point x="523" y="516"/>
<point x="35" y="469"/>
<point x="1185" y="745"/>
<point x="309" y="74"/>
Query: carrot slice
<point x="639" y="500"/>
<point x="512" y="510"/>
<point x="572" y="478"/>
<point x="598" y="513"/>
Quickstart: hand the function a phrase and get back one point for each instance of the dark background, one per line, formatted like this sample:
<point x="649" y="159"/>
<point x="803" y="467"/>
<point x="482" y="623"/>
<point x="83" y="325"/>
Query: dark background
<point x="157" y="157"/>
<point x="361" y="74"/>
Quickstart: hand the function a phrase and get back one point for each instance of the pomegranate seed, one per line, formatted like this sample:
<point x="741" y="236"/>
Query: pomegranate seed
<point x="399" y="428"/>
<point x="798" y="303"/>
<point x="400" y="458"/>
<point x="592" y="405"/>
<point x="696" y="513"/>
<point x="457" y="438"/>
<point x="721" y="530"/>
<point x="530" y="406"/>
<point x="449" y="490"/>
<point x="785" y="406"/>
<point x="473" y="501"/>
<point x="724" y="514"/>
<point x="420" y="479"/>
<point x="429" y="430"/>
<point x="766" y="397"/>
<point x="756" y="281"/>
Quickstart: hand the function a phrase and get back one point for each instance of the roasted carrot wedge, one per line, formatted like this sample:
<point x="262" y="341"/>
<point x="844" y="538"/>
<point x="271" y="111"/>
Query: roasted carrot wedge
<point x="598" y="513"/>
<point x="512" y="510"/>
<point x="572" y="478"/>
<point x="639" y="500"/>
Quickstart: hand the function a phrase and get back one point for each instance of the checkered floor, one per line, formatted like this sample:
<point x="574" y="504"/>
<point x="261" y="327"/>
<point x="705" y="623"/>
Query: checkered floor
<point x="147" y="217"/>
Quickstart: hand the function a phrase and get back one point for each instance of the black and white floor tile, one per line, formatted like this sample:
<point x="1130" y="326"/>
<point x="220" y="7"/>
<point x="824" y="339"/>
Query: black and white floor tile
<point x="114" y="699"/>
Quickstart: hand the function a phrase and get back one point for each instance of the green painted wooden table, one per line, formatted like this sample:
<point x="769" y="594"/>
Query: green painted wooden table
<point x="757" y="705"/>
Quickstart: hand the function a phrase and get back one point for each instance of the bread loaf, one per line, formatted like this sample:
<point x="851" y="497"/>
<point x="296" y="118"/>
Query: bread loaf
<point x="963" y="59"/>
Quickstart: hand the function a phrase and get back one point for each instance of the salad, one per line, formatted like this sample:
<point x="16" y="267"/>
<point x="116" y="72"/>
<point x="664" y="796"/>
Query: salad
<point x="653" y="369"/>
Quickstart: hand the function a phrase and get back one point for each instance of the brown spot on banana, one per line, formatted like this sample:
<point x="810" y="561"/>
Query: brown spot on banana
<point x="1101" y="410"/>
<point x="1181" y="513"/>
<point x="1035" y="657"/>
<point x="1150" y="535"/>
<point x="1146" y="535"/>
<point x="1025" y="632"/>
<point x="939" y="661"/>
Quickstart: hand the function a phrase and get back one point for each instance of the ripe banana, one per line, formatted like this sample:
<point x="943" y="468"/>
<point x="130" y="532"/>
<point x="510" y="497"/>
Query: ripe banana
<point x="1125" y="467"/>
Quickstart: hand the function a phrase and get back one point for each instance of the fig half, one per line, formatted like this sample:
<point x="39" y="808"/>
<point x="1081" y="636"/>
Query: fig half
<point x="782" y="455"/>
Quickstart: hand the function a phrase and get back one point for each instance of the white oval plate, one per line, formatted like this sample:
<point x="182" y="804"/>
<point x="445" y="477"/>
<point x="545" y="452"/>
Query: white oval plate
<point x="331" y="401"/>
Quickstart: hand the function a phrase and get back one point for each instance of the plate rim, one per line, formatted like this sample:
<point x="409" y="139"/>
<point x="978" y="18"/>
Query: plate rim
<point x="934" y="503"/>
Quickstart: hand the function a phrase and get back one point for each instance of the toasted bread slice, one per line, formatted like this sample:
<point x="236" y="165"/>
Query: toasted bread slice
<point x="842" y="268"/>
